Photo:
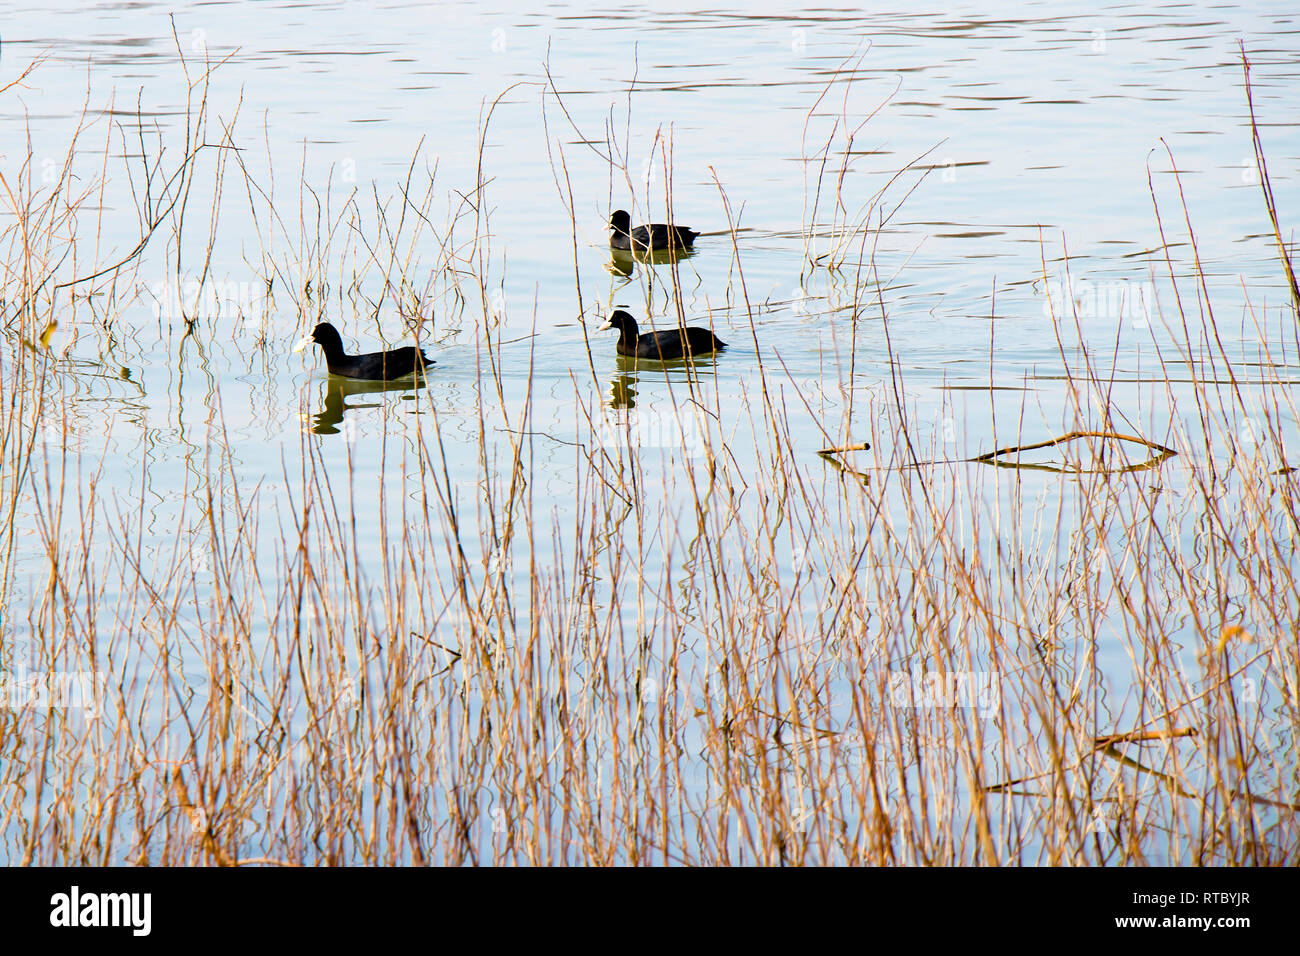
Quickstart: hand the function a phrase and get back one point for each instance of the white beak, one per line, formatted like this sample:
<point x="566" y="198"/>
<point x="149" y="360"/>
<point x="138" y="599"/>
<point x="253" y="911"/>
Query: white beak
<point x="302" y="344"/>
<point x="607" y="325"/>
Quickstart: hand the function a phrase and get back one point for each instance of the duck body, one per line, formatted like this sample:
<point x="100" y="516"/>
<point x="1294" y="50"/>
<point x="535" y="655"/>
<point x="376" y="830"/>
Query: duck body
<point x="373" y="366"/>
<point x="656" y="237"/>
<point x="663" y="345"/>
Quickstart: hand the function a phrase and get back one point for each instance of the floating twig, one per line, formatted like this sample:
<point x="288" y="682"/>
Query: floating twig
<point x="1162" y="453"/>
<point x="1136" y="736"/>
<point x="836" y="451"/>
<point x="830" y="453"/>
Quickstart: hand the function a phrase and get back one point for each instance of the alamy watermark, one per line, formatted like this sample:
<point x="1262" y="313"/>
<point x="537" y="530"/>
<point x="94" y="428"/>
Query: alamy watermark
<point x="980" y="690"/>
<point x="178" y="300"/>
<point x="61" y="690"/>
<point x="669" y="430"/>
<point x="1124" y="301"/>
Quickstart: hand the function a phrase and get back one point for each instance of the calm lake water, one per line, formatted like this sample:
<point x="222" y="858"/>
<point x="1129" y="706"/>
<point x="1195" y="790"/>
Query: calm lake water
<point x="1028" y="132"/>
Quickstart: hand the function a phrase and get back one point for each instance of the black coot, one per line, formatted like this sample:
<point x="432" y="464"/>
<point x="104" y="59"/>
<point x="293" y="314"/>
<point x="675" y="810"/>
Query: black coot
<point x="667" y="344"/>
<point x="377" y="366"/>
<point x="653" y="238"/>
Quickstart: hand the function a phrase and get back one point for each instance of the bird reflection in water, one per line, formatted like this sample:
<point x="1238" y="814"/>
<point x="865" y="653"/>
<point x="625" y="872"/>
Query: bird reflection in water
<point x="621" y="262"/>
<point x="336" y="405"/>
<point x="623" y="386"/>
<point x="622" y="393"/>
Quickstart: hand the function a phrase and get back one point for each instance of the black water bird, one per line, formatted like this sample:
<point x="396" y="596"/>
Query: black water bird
<point x="653" y="238"/>
<point x="376" y="366"/>
<point x="662" y="345"/>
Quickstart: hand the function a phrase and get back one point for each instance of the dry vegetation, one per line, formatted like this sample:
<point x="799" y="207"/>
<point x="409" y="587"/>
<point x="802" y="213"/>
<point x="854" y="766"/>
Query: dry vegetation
<point x="749" y="655"/>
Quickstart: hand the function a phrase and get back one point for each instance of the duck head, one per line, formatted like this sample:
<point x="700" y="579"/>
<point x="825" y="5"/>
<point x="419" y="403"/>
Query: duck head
<point x="620" y="223"/>
<point x="622" y="321"/>
<point x="324" y="335"/>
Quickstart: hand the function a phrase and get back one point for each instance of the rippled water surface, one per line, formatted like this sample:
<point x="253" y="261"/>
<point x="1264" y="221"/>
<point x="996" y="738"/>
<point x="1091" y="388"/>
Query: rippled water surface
<point x="1002" y="160"/>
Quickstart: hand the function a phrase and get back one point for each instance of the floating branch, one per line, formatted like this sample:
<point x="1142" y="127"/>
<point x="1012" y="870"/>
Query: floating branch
<point x="1105" y="743"/>
<point x="1136" y="736"/>
<point x="826" y="452"/>
<point x="1161" y="453"/>
<point x="830" y="453"/>
<point x="1175" y="786"/>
